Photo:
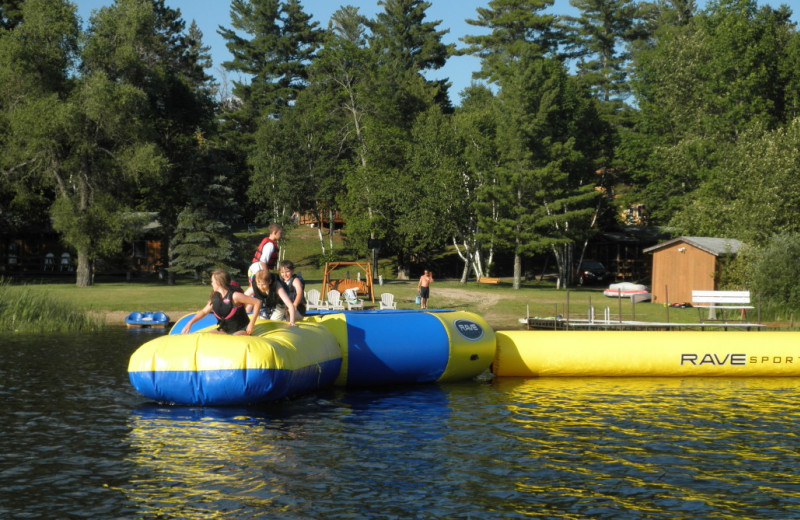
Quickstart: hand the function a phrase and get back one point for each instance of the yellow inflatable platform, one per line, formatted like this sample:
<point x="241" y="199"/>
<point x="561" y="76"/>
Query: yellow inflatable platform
<point x="646" y="353"/>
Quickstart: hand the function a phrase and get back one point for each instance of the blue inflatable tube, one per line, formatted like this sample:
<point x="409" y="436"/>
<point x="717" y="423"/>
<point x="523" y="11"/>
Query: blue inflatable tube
<point x="401" y="347"/>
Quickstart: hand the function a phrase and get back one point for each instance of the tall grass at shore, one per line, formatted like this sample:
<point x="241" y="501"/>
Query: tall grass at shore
<point x="25" y="310"/>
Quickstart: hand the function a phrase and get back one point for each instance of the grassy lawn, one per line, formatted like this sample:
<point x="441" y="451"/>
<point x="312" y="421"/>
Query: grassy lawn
<point x="501" y="305"/>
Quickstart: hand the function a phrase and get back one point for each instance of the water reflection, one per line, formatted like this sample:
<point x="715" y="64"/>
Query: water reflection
<point x="316" y="456"/>
<point x="655" y="447"/>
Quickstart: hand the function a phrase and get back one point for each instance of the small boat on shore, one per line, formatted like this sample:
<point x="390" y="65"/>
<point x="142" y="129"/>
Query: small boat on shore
<point x="634" y="291"/>
<point x="138" y="320"/>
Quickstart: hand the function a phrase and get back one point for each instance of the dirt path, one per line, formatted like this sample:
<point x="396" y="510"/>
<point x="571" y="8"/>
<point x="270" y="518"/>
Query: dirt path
<point x="482" y="298"/>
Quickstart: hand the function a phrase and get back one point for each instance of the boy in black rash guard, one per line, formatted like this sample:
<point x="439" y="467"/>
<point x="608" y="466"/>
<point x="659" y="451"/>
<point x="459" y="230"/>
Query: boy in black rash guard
<point x="227" y="303"/>
<point x="295" y="286"/>
<point x="269" y="290"/>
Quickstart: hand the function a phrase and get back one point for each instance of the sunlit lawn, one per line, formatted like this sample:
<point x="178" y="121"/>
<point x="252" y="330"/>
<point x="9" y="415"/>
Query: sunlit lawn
<point x="502" y="305"/>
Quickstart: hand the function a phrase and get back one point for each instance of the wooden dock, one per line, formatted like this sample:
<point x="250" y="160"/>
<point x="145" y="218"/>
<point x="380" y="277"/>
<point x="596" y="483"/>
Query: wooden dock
<point x="559" y="323"/>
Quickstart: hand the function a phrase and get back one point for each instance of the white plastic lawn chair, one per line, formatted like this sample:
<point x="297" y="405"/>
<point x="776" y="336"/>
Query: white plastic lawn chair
<point x="313" y="301"/>
<point x="387" y="301"/>
<point x="335" y="300"/>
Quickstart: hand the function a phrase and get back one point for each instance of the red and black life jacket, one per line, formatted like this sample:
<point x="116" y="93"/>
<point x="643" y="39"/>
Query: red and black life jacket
<point x="230" y="317"/>
<point x="273" y="258"/>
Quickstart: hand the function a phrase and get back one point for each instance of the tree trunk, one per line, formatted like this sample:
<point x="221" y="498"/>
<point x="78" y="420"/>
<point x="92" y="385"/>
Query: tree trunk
<point x="83" y="273"/>
<point x="402" y="267"/>
<point x="330" y="226"/>
<point x="465" y="273"/>
<point x="465" y="257"/>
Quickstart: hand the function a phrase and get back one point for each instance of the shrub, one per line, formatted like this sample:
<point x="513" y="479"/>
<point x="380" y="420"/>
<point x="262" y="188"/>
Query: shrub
<point x="776" y="271"/>
<point x="24" y="310"/>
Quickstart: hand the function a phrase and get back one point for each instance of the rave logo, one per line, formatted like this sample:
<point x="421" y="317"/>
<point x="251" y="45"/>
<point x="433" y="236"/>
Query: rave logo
<point x="469" y="329"/>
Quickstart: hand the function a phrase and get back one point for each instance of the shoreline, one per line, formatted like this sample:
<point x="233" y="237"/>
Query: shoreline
<point x="117" y="318"/>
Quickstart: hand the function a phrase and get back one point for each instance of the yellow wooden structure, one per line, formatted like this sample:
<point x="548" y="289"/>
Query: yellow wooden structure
<point x="361" y="286"/>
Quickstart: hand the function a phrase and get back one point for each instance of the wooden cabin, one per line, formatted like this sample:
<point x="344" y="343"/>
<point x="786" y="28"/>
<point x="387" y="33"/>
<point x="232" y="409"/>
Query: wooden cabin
<point x="684" y="264"/>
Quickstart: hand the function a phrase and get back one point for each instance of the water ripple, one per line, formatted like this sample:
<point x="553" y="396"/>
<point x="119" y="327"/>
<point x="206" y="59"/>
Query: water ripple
<point x="78" y="442"/>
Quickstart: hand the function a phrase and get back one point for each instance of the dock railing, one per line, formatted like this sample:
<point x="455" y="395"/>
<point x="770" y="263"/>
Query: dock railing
<point x="563" y="319"/>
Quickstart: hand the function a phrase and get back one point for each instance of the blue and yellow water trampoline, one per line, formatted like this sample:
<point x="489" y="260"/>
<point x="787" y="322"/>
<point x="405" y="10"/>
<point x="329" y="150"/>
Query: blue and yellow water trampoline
<point x="357" y="348"/>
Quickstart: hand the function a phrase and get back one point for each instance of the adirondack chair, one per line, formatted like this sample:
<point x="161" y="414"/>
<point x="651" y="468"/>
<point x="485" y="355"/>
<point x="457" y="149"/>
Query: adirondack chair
<point x="313" y="301"/>
<point x="335" y="300"/>
<point x="387" y="301"/>
<point x="351" y="298"/>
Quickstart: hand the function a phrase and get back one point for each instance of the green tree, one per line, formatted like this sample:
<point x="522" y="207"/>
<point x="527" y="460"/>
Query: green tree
<point x="376" y="90"/>
<point x="775" y="270"/>
<point x="476" y="122"/>
<point x="181" y="110"/>
<point x="698" y="86"/>
<point x="544" y="191"/>
<point x="82" y="136"/>
<point x="408" y="44"/>
<point x="295" y="167"/>
<point x="434" y="203"/>
<point x="10" y="13"/>
<point x="202" y="244"/>
<point x="751" y="200"/>
<point x="272" y="43"/>
<point x="402" y="47"/>
<point x="517" y="29"/>
<point x="601" y="33"/>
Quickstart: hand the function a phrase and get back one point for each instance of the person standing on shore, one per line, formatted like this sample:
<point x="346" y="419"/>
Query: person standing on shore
<point x="423" y="287"/>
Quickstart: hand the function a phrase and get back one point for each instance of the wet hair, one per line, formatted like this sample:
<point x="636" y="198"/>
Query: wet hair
<point x="286" y="264"/>
<point x="222" y="278"/>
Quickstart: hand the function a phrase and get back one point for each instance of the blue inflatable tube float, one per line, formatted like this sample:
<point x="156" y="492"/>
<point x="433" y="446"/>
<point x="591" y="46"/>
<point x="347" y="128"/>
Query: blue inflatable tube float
<point x="212" y="369"/>
<point x="402" y="347"/>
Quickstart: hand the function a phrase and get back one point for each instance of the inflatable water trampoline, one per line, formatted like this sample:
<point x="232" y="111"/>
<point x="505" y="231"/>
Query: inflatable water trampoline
<point x="352" y="348"/>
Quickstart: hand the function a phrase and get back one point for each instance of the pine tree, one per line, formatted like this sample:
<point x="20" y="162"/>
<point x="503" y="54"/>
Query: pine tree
<point x="517" y="29"/>
<point x="272" y="43"/>
<point x="544" y="188"/>
<point x="202" y="245"/>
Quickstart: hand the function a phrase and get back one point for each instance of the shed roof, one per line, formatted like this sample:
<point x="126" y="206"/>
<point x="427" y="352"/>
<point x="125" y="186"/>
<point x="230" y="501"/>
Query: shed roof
<point x="711" y="245"/>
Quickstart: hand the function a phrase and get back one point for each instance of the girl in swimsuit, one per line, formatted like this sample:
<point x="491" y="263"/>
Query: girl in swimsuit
<point x="227" y="303"/>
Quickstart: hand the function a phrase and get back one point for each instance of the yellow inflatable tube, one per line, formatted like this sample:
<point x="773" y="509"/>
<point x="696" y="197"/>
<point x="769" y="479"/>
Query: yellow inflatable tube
<point x="646" y="353"/>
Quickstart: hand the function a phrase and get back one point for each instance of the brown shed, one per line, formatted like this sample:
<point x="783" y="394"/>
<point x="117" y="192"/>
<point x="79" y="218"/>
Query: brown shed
<point x="684" y="264"/>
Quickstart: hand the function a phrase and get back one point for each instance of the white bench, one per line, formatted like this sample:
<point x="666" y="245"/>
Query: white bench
<point x="724" y="300"/>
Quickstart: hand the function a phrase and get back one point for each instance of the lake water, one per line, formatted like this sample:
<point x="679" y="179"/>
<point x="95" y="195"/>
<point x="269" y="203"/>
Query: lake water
<point x="77" y="441"/>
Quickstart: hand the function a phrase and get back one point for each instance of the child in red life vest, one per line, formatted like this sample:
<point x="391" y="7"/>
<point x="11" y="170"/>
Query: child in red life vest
<point x="266" y="256"/>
